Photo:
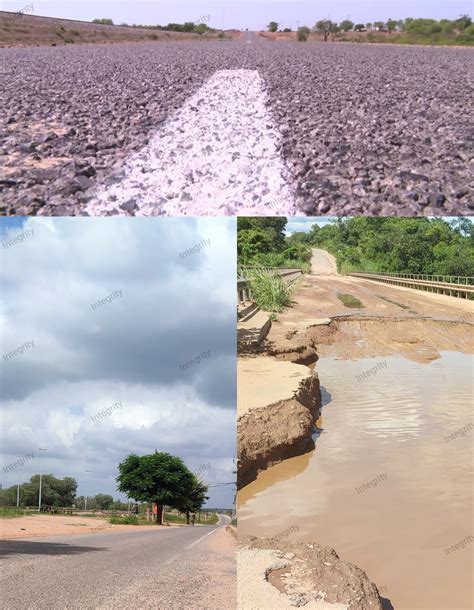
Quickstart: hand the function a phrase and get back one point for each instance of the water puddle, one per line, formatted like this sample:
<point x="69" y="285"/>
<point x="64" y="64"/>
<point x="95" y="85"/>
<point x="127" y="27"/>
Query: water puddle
<point x="388" y="484"/>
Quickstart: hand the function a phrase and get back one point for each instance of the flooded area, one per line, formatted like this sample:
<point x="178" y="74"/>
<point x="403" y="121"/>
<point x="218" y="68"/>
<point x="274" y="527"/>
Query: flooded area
<point x="388" y="484"/>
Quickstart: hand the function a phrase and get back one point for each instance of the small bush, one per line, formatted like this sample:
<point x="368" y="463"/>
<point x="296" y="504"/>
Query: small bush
<point x="303" y="34"/>
<point x="153" y="36"/>
<point x="123" y="520"/>
<point x="269" y="290"/>
<point x="11" y="513"/>
<point x="75" y="32"/>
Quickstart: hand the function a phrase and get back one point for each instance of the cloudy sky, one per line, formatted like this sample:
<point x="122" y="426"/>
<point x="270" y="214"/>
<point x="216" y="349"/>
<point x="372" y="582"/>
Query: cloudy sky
<point x="254" y="14"/>
<point x="162" y="309"/>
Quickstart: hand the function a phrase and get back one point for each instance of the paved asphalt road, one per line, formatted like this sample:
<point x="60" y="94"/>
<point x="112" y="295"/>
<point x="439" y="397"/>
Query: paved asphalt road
<point x="167" y="568"/>
<point x="222" y="126"/>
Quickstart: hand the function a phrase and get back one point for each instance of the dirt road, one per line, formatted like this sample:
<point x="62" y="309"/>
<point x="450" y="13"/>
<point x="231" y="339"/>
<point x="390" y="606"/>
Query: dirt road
<point x="383" y="320"/>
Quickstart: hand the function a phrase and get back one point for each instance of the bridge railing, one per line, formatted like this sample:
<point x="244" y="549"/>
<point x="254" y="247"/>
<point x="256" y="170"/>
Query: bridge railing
<point x="243" y="285"/>
<point x="458" y="286"/>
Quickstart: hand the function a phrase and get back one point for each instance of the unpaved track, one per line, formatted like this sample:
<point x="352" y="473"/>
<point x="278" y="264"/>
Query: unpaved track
<point x="323" y="263"/>
<point x="192" y="567"/>
<point x="352" y="141"/>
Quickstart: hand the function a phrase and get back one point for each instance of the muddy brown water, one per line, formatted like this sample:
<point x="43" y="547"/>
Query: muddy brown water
<point x="386" y="485"/>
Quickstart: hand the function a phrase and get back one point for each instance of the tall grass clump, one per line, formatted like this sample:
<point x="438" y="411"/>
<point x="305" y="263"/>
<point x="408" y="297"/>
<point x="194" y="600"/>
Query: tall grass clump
<point x="269" y="290"/>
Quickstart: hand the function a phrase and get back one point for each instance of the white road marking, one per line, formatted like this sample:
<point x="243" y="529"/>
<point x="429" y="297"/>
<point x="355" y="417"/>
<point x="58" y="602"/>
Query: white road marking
<point x="217" y="155"/>
<point x="178" y="555"/>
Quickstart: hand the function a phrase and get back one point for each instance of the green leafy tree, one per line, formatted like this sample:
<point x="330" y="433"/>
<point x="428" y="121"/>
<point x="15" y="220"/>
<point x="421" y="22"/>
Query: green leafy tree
<point x="273" y="225"/>
<point x="195" y="498"/>
<point x="379" y="25"/>
<point x="103" y="501"/>
<point x="103" y="21"/>
<point x="326" y="27"/>
<point x="272" y="26"/>
<point x="463" y="22"/>
<point x="252" y="242"/>
<point x="391" y="25"/>
<point x="202" y="28"/>
<point x="159" y="477"/>
<point x="359" y="27"/>
<point x="347" y="25"/>
<point x="54" y="491"/>
<point x="369" y="25"/>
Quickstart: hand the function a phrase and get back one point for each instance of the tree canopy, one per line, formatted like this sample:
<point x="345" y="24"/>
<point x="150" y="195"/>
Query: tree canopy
<point x="159" y="477"/>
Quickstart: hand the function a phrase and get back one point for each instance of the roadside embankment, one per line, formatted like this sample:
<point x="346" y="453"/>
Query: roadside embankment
<point x="278" y="405"/>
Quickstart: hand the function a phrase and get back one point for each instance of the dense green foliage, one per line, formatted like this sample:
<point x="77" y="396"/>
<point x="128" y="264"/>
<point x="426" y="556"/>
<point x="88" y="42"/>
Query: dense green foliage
<point x="261" y="241"/>
<point x="401" y="245"/>
<point x="374" y="244"/>
<point x="188" y="26"/>
<point x="162" y="478"/>
<point x="54" y="492"/>
<point x="103" y="21"/>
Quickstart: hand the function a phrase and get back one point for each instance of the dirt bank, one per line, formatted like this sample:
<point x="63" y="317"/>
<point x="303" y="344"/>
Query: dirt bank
<point x="24" y="30"/>
<point x="284" y="574"/>
<point x="281" y="429"/>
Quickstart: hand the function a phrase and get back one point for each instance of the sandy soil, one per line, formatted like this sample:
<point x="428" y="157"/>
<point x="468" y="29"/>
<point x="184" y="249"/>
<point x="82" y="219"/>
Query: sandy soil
<point x="221" y="550"/>
<point x="55" y="525"/>
<point x="254" y="390"/>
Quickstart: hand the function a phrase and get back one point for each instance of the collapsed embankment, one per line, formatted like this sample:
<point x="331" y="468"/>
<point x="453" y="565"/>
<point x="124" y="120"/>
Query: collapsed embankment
<point x="266" y="435"/>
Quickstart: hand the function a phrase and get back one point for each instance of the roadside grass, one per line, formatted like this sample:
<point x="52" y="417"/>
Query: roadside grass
<point x="173" y="518"/>
<point x="269" y="290"/>
<point x="124" y="520"/>
<point x="349" y="300"/>
<point x="211" y="521"/>
<point x="11" y="513"/>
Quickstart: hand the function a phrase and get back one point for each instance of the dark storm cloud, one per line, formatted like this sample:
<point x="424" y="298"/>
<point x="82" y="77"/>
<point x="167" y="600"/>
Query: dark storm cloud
<point x="115" y="312"/>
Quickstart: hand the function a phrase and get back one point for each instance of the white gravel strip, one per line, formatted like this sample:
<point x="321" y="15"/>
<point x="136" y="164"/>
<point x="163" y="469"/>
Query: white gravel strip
<point x="254" y="592"/>
<point x="218" y="155"/>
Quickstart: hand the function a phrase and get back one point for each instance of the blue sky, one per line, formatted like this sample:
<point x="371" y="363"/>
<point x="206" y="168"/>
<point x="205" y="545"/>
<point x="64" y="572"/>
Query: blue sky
<point x="253" y="15"/>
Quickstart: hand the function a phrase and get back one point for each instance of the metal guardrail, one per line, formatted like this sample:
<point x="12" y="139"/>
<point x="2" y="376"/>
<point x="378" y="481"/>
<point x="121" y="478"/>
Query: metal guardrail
<point x="447" y="279"/>
<point x="243" y="289"/>
<point x="464" y="288"/>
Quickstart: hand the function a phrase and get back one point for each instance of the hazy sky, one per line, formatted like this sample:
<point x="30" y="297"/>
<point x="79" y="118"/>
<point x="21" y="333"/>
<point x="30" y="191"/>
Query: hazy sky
<point x="131" y="350"/>
<point x="253" y="15"/>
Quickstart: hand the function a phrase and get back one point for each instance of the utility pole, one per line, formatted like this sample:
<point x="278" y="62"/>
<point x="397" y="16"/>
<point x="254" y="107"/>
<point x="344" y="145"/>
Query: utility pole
<point x="85" y="497"/>
<point x="41" y="476"/>
<point x="18" y="489"/>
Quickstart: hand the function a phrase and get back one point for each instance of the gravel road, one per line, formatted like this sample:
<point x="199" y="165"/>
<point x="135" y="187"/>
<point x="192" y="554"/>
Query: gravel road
<point x="191" y="567"/>
<point x="359" y="128"/>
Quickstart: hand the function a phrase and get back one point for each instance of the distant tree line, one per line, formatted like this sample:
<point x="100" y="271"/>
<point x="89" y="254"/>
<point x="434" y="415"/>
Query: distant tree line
<point x="372" y="244"/>
<point x="199" y="27"/>
<point x="399" y="245"/>
<point x="56" y="493"/>
<point x="461" y="28"/>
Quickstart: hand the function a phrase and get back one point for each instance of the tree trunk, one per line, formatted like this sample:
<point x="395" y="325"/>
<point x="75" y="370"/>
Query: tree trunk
<point x="159" y="513"/>
<point x="188" y="517"/>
